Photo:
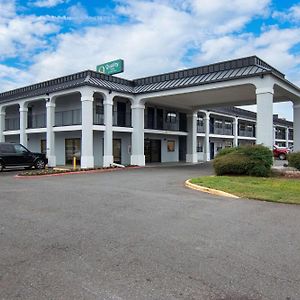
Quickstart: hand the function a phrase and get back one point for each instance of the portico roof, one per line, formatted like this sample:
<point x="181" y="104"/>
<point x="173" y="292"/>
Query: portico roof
<point x="223" y="71"/>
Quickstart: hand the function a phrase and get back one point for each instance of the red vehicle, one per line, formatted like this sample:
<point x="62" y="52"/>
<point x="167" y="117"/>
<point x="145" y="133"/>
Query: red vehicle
<point x="280" y="152"/>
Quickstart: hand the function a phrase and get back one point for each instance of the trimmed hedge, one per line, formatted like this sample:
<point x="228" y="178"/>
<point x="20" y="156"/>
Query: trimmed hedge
<point x="294" y="160"/>
<point x="254" y="160"/>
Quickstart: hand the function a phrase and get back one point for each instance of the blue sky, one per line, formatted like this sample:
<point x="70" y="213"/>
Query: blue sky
<point x="42" y="39"/>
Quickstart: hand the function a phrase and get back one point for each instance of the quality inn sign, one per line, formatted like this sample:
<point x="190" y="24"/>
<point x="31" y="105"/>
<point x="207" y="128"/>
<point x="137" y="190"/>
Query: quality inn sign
<point x="112" y="67"/>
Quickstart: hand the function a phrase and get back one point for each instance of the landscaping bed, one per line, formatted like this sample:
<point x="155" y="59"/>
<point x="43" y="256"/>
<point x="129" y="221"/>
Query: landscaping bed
<point x="275" y="189"/>
<point x="61" y="171"/>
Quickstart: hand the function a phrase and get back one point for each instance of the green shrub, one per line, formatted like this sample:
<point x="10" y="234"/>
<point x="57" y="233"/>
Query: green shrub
<point x="231" y="164"/>
<point x="294" y="160"/>
<point x="258" y="153"/>
<point x="246" y="160"/>
<point x="225" y="151"/>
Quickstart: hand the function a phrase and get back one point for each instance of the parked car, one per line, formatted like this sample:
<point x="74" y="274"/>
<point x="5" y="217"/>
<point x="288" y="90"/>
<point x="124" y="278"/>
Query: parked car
<point x="16" y="155"/>
<point x="280" y="152"/>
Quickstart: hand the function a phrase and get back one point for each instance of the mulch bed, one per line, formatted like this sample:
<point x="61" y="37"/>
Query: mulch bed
<point x="54" y="172"/>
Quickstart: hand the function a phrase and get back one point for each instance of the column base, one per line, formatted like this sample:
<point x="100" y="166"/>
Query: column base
<point x="206" y="156"/>
<point x="137" y="160"/>
<point x="108" y="160"/>
<point x="23" y="140"/>
<point x="51" y="161"/>
<point x="87" y="162"/>
<point x="192" y="158"/>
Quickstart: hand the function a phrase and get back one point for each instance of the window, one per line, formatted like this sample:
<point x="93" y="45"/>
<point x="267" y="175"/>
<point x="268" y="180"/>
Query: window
<point x="6" y="148"/>
<point x="99" y="109"/>
<point x="199" y="146"/>
<point x="171" y="117"/>
<point x="249" y="128"/>
<point x="200" y="121"/>
<point x="228" y="125"/>
<point x="218" y="124"/>
<point x="242" y="127"/>
<point x="171" y="146"/>
<point x="19" y="149"/>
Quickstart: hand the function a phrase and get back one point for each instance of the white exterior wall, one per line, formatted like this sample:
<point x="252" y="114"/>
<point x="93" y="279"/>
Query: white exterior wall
<point x="98" y="148"/>
<point x="125" y="146"/>
<point x="12" y="139"/>
<point x="34" y="141"/>
<point x="165" y="155"/>
<point x="60" y="144"/>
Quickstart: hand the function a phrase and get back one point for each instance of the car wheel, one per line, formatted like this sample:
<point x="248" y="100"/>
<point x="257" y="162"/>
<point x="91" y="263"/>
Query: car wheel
<point x="1" y="166"/>
<point x="40" y="164"/>
<point x="281" y="156"/>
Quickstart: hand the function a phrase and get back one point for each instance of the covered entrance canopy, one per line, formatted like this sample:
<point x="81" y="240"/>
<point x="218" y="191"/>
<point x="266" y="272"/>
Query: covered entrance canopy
<point x="236" y="82"/>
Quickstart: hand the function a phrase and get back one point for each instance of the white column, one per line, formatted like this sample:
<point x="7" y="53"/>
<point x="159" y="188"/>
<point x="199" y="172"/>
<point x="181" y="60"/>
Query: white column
<point x="23" y="124"/>
<point x="264" y="127"/>
<point x="296" y="127"/>
<point x="2" y="126"/>
<point x="192" y="156"/>
<point x="87" y="139"/>
<point x="50" y="135"/>
<point x="137" y="137"/>
<point x="206" y="137"/>
<point x="235" y="132"/>
<point x="287" y="137"/>
<point x="108" y="158"/>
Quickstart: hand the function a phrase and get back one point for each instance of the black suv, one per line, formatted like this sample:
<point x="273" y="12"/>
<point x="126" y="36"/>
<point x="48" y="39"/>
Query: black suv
<point x="16" y="155"/>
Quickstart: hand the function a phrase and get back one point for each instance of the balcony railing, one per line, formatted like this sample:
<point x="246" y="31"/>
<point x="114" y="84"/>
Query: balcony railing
<point x="37" y="121"/>
<point x="121" y="119"/>
<point x="67" y="118"/>
<point x="98" y="119"/>
<point x="200" y="129"/>
<point x="246" y="133"/>
<point x="165" y="126"/>
<point x="12" y="124"/>
<point x="221" y="131"/>
<point x="280" y="136"/>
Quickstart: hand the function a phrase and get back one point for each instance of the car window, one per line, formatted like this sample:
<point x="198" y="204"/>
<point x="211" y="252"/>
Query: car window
<point x="19" y="149"/>
<point x="7" y="149"/>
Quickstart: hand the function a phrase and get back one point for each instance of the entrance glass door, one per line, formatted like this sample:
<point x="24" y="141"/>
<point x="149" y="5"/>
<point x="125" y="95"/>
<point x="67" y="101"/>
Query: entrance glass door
<point x="117" y="151"/>
<point x="72" y="148"/>
<point x="152" y="150"/>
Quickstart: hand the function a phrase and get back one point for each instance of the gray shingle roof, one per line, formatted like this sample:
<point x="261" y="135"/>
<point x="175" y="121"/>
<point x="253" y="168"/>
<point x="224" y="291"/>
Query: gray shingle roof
<point x="227" y="70"/>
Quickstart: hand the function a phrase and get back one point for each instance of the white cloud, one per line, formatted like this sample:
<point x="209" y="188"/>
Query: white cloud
<point x="77" y="12"/>
<point x="11" y="77"/>
<point x="291" y="15"/>
<point x="158" y="36"/>
<point x="7" y="9"/>
<point x="21" y="34"/>
<point x="48" y="3"/>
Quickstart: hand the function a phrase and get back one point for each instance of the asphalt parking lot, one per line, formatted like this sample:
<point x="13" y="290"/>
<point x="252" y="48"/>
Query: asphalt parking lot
<point x="140" y="234"/>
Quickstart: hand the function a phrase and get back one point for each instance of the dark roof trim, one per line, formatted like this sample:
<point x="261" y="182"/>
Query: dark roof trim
<point x="226" y="70"/>
<point x="216" y="67"/>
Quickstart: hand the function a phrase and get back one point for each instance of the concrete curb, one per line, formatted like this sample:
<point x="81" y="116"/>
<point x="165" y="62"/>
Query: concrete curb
<point x="75" y="173"/>
<point x="204" y="189"/>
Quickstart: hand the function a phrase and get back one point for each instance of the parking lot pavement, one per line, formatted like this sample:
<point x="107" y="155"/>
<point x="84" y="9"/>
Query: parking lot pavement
<point x="140" y="234"/>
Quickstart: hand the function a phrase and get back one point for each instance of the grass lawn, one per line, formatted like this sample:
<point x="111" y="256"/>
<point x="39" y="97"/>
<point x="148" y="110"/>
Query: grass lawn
<point x="268" y="189"/>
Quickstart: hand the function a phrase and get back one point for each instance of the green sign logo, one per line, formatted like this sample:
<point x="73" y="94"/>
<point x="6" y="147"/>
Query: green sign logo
<point x="112" y="67"/>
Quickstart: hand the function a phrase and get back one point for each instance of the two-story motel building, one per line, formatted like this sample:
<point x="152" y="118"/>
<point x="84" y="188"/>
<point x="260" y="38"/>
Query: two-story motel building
<point x="185" y="115"/>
